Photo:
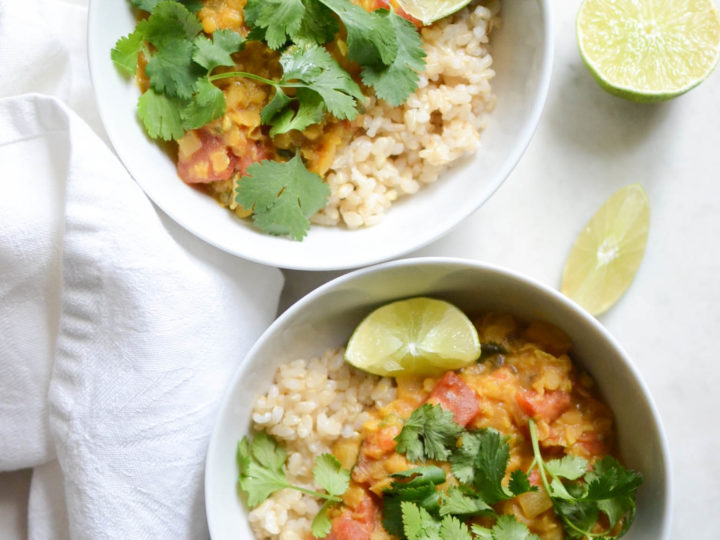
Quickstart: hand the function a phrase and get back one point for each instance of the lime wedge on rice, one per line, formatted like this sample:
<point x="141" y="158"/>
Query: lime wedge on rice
<point x="608" y="251"/>
<point x="429" y="11"/>
<point x="418" y="336"/>
<point x="649" y="50"/>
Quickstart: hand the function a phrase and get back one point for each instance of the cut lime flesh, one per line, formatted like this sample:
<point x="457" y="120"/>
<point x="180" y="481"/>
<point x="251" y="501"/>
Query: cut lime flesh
<point x="649" y="50"/>
<point x="429" y="11"/>
<point x="608" y="251"/>
<point x="418" y="336"/>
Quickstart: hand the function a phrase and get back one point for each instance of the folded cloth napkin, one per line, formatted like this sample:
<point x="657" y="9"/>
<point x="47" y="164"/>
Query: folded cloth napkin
<point x="118" y="330"/>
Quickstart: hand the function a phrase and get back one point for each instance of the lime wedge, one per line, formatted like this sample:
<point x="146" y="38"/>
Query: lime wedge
<point x="649" y="50"/>
<point x="419" y="336"/>
<point x="608" y="251"/>
<point x="429" y="11"/>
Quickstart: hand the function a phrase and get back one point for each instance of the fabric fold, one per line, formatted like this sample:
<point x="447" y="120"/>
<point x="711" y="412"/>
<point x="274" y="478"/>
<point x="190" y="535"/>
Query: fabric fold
<point x="151" y="325"/>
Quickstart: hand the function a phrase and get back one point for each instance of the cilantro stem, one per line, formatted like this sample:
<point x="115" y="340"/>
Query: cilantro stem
<point x="245" y="74"/>
<point x="538" y="456"/>
<point x="230" y="74"/>
<point x="317" y="494"/>
<point x="538" y="460"/>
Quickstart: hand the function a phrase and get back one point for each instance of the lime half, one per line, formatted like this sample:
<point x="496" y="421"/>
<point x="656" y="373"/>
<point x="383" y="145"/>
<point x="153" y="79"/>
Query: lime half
<point x="419" y="336"/>
<point x="608" y="251"/>
<point x="649" y="50"/>
<point x="429" y="11"/>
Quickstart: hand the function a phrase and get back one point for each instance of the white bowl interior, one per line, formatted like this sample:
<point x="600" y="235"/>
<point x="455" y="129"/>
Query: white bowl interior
<point x="326" y="317"/>
<point x="522" y="51"/>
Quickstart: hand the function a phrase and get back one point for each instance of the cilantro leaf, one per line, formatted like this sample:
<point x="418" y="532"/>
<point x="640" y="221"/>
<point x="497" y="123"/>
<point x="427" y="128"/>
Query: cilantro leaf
<point x="414" y="485"/>
<point x="418" y="524"/>
<point x="459" y="502"/>
<point x="319" y="72"/>
<point x="208" y="103"/>
<point x="394" y="83"/>
<point x="149" y="5"/>
<point x="318" y="26"/>
<point x="280" y="19"/>
<point x="126" y="50"/>
<point x="310" y="110"/>
<point x="608" y="488"/>
<point x="322" y="85"/>
<point x="451" y="528"/>
<point x="303" y="22"/>
<point x="421" y="475"/>
<point x="371" y="37"/>
<point x="321" y="524"/>
<point x="520" y="483"/>
<point x="609" y="479"/>
<point x="506" y="528"/>
<point x="211" y="54"/>
<point x="261" y="468"/>
<point x="283" y="196"/>
<point x="329" y="475"/>
<point x="570" y="467"/>
<point x="430" y="433"/>
<point x="161" y="115"/>
<point x="261" y="465"/>
<point x="170" y="22"/>
<point x="171" y="69"/>
<point x="489" y="468"/>
<point x="463" y="456"/>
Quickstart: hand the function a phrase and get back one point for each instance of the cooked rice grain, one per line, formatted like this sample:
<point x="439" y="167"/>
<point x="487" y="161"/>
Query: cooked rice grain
<point x="311" y="405"/>
<point x="403" y="148"/>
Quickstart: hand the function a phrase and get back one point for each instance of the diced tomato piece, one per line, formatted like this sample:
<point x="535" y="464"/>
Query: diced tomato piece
<point x="547" y="406"/>
<point x="454" y="395"/>
<point x="381" y="442"/>
<point x="355" y="524"/>
<point x="212" y="160"/>
<point x="593" y="444"/>
<point x="534" y="478"/>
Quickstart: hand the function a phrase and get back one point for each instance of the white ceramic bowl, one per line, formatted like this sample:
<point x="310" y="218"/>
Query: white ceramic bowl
<point x="522" y="50"/>
<point x="326" y="317"/>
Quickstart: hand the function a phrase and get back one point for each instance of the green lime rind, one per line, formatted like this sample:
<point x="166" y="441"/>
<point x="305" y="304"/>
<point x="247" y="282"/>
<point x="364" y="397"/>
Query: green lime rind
<point x="429" y="11"/>
<point x="644" y="95"/>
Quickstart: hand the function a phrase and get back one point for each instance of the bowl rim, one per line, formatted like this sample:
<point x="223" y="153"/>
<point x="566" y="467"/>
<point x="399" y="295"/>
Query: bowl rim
<point x="267" y="254"/>
<point x="461" y="263"/>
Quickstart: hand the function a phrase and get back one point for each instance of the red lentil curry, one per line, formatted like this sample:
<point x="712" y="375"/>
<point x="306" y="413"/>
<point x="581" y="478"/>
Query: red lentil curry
<point x="526" y="390"/>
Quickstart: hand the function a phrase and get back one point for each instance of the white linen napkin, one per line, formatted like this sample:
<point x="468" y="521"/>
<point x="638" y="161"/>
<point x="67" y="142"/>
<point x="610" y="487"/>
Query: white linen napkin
<point x="118" y="330"/>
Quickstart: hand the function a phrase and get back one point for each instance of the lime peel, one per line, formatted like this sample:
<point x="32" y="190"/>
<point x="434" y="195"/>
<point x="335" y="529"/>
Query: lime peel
<point x="429" y="11"/>
<point x="416" y="336"/>
<point x="652" y="50"/>
<point x="608" y="252"/>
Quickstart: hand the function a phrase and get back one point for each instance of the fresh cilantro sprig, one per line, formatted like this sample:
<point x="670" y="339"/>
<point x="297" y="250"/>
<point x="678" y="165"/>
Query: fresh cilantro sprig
<point x="261" y="465"/>
<point x="419" y="524"/>
<point x="580" y="493"/>
<point x="320" y="85"/>
<point x="282" y="196"/>
<point x="481" y="461"/>
<point x="430" y="433"/>
<point x="394" y="82"/>
<point x="416" y="485"/>
<point x="179" y="62"/>
<point x="387" y="46"/>
<point x="277" y="22"/>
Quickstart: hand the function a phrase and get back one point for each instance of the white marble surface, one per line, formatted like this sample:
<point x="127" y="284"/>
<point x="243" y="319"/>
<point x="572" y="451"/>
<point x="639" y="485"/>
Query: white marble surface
<point x="588" y="145"/>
